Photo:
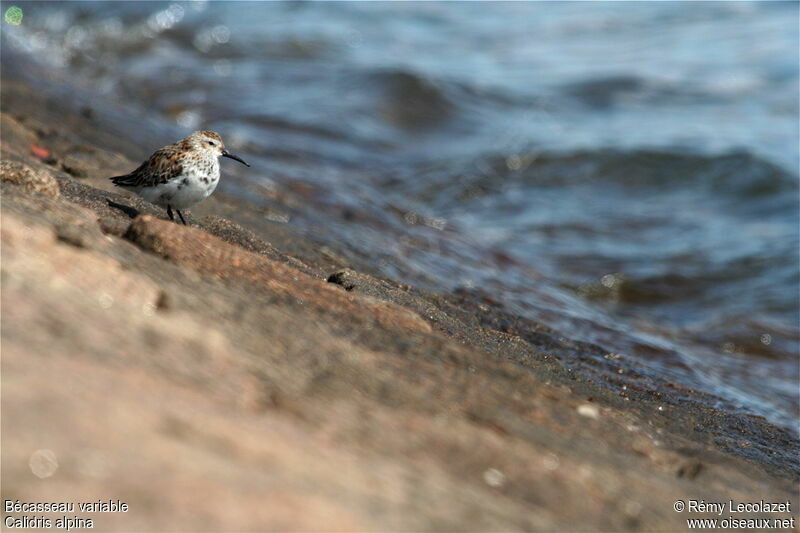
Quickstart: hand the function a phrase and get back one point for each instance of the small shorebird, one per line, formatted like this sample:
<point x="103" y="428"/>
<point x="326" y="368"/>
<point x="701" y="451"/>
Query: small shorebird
<point x="181" y="174"/>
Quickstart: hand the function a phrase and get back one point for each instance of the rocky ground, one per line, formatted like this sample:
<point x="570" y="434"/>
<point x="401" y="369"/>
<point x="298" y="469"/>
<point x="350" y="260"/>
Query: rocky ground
<point x="221" y="377"/>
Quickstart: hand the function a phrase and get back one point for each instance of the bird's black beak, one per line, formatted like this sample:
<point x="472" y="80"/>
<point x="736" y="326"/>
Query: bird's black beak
<point x="236" y="157"/>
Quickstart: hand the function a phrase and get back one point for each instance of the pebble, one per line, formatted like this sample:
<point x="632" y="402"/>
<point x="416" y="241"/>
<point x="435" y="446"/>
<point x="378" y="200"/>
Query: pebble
<point x="494" y="478"/>
<point x="589" y="411"/>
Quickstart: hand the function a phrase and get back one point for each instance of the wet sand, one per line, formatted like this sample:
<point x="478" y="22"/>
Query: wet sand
<point x="235" y="375"/>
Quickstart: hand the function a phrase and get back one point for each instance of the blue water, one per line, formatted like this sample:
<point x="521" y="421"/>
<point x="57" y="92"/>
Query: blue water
<point x="627" y="172"/>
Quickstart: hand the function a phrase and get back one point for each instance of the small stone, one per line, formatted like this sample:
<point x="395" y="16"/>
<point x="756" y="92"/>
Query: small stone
<point x="40" y="152"/>
<point x="589" y="411"/>
<point x="343" y="278"/>
<point x="29" y="178"/>
<point x="494" y="478"/>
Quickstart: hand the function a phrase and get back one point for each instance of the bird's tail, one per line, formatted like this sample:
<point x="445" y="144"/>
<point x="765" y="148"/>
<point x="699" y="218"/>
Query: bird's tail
<point x="126" y="181"/>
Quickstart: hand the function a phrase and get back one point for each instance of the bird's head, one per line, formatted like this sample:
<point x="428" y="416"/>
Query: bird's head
<point x="211" y="143"/>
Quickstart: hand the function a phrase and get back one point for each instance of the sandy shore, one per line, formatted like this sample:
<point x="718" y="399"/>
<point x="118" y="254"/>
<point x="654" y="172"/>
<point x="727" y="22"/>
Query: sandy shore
<point x="233" y="375"/>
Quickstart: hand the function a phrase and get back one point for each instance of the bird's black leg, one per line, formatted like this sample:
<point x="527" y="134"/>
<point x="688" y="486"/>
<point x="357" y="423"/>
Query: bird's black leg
<point x="180" y="215"/>
<point x="169" y="212"/>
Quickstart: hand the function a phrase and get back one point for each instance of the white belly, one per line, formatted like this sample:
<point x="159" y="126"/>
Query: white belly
<point x="181" y="192"/>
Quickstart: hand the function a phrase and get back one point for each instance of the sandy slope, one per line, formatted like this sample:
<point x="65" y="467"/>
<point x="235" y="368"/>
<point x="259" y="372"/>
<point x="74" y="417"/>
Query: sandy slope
<point x="220" y="378"/>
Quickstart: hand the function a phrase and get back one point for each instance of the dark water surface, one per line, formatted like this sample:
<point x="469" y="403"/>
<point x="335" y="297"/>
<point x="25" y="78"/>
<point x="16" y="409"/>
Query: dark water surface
<point x="625" y="172"/>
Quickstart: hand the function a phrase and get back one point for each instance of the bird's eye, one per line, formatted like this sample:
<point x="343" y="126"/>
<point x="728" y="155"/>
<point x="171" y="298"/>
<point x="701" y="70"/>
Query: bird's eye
<point x="211" y="143"/>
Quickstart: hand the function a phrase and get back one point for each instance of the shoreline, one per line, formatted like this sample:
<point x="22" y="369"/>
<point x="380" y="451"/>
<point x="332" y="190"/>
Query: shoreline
<point x="266" y="361"/>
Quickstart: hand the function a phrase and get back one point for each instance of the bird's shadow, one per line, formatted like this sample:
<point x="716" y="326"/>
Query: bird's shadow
<point x="130" y="211"/>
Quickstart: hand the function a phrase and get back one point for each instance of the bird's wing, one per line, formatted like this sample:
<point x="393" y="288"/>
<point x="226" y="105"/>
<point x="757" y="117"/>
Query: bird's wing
<point x="163" y="165"/>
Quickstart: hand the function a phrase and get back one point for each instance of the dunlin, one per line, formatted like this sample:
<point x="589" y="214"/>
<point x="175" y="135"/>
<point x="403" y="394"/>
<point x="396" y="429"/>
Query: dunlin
<point x="181" y="174"/>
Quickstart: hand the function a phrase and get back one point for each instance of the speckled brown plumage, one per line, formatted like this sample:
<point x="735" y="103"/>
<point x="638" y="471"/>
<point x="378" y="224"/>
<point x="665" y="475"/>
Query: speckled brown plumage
<point x="165" y="164"/>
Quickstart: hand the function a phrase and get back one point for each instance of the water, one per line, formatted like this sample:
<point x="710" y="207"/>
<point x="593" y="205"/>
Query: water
<point x="625" y="172"/>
